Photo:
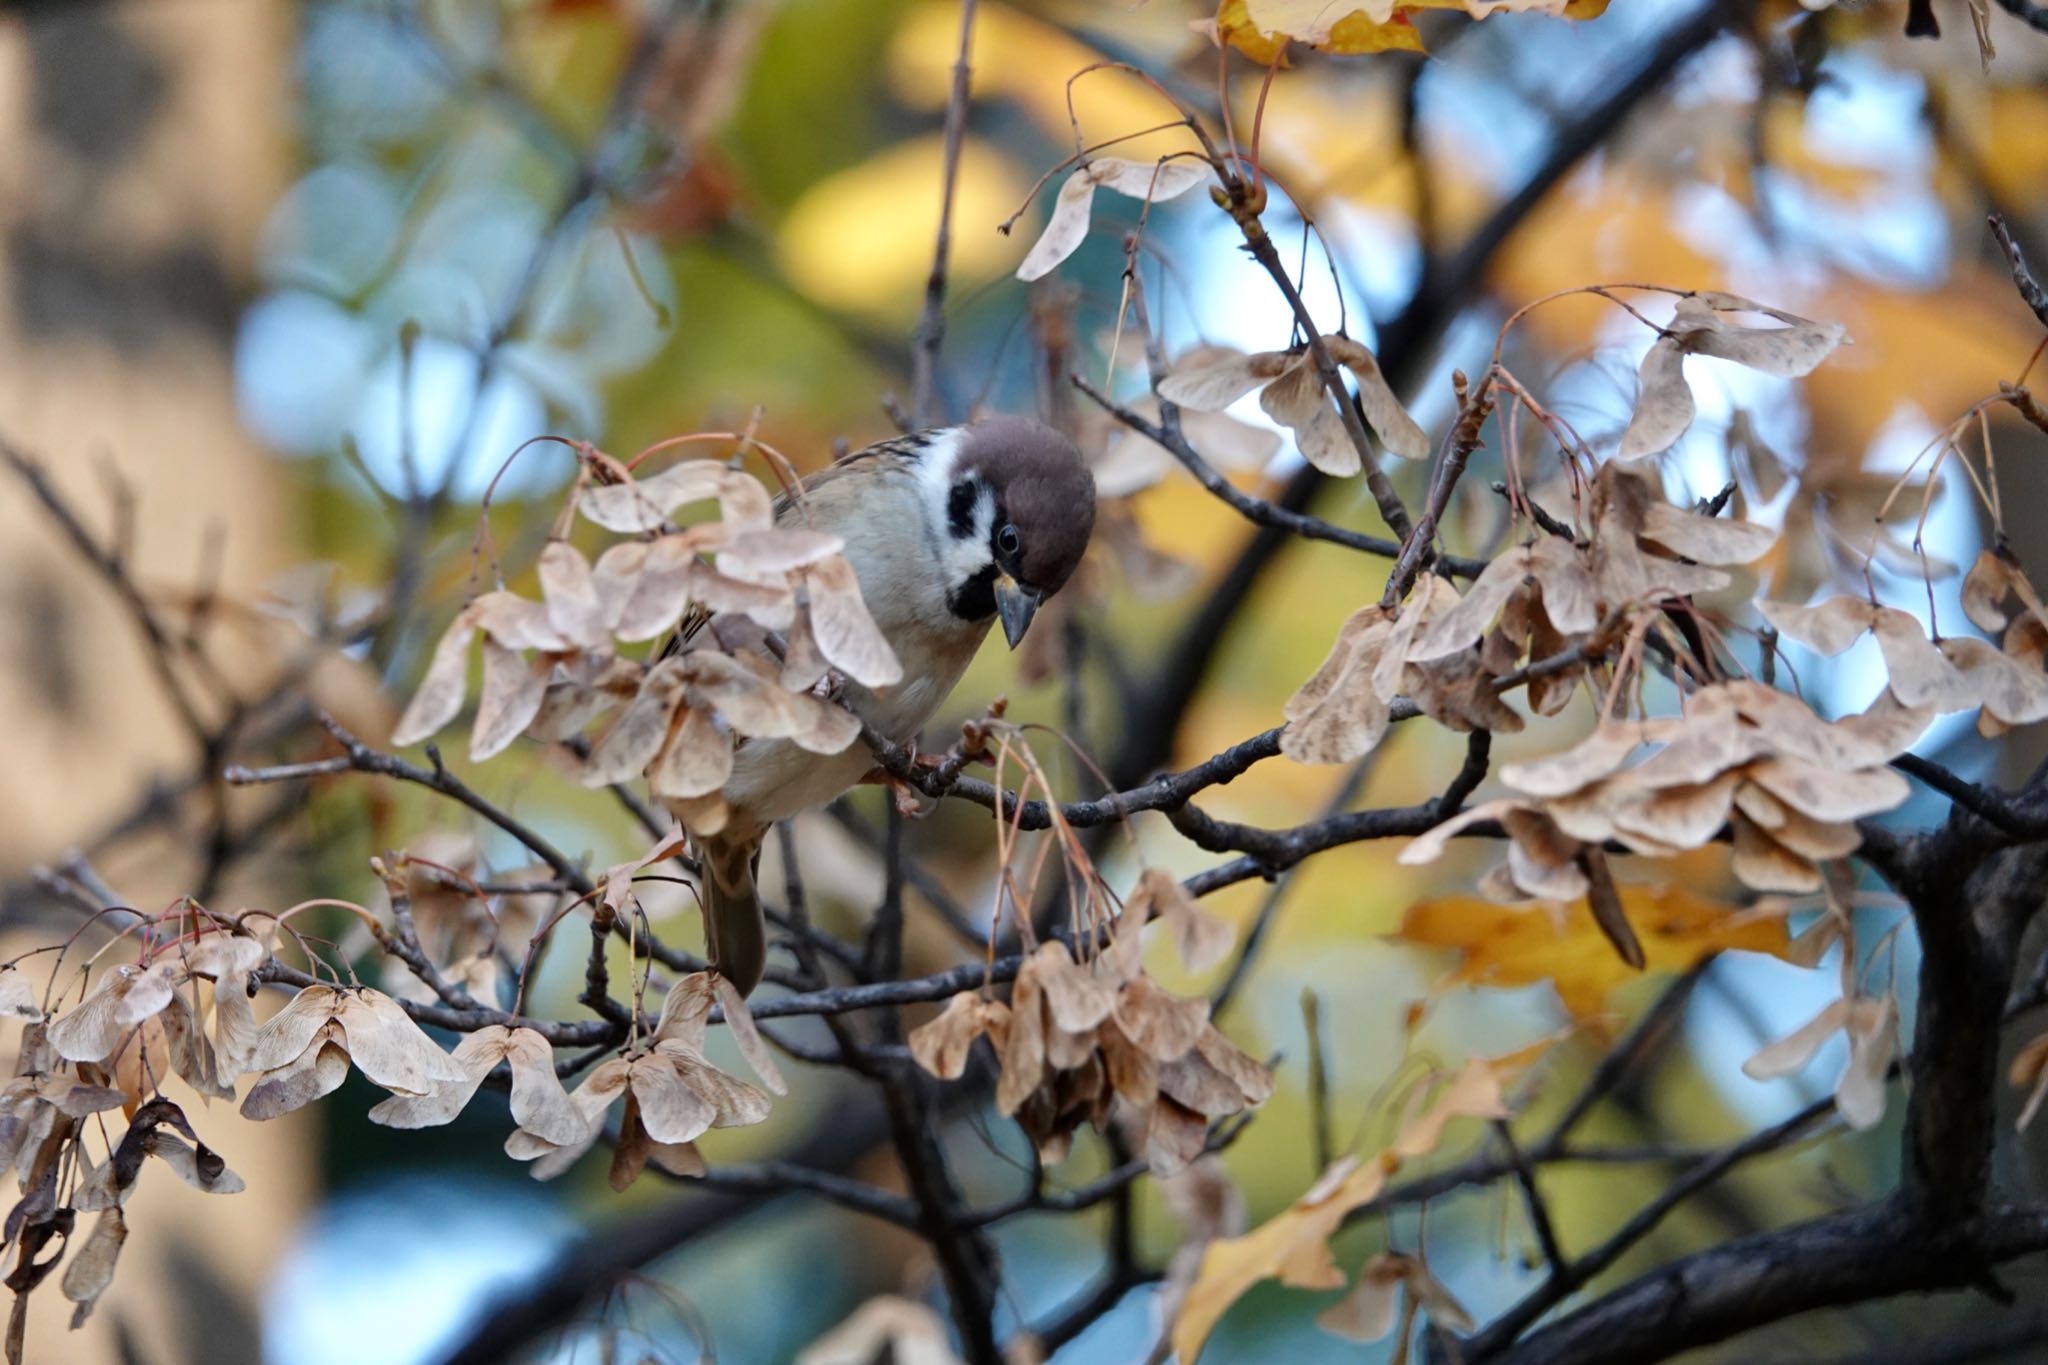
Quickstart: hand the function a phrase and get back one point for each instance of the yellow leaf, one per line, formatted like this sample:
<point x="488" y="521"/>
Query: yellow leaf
<point x="1293" y="1246"/>
<point x="1505" y="945"/>
<point x="1353" y="32"/>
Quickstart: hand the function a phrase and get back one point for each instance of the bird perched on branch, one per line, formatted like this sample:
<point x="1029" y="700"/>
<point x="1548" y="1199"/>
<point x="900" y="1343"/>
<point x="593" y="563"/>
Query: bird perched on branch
<point x="949" y="530"/>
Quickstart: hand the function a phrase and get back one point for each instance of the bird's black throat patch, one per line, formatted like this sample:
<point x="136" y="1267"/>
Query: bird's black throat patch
<point x="975" y="599"/>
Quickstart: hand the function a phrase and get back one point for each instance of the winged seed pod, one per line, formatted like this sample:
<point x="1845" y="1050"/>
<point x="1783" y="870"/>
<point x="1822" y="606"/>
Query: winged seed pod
<point x="1532" y="603"/>
<point x="1744" y="755"/>
<point x="1956" y="673"/>
<point x="1075" y="1037"/>
<point x="539" y="1103"/>
<point x="231" y="960"/>
<point x="18" y="996"/>
<point x="1871" y="1024"/>
<point x="1154" y="181"/>
<point x="551" y="668"/>
<point x="124" y="998"/>
<point x="1292" y="394"/>
<point x="1664" y="405"/>
<point x="305" y="1049"/>
<point x="672" y="1093"/>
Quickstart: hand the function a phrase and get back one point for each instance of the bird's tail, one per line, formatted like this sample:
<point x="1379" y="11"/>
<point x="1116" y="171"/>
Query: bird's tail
<point x="735" y="935"/>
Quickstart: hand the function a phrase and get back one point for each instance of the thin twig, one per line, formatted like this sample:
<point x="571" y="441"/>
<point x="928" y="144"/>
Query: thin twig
<point x="931" y="327"/>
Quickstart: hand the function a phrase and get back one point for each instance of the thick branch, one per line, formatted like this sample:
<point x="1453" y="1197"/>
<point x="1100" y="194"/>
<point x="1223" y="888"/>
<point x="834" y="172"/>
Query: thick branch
<point x="1873" y="1252"/>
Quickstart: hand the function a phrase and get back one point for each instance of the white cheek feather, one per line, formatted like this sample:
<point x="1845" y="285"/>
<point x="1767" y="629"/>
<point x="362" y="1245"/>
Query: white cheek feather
<point x="958" y="559"/>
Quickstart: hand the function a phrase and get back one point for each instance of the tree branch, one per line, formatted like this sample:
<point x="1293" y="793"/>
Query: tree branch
<point x="1872" y="1252"/>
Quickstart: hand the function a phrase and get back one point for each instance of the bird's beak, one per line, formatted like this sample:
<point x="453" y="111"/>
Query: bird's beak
<point x="1016" y="604"/>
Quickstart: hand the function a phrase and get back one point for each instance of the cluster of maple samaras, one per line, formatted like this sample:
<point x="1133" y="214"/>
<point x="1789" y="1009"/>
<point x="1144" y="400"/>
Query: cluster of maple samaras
<point x="673" y="1095"/>
<point x="1789" y="785"/>
<point x="1076" y="1037"/>
<point x="1537" y="614"/>
<point x="2003" y="683"/>
<point x="552" y="667"/>
<point x="142" y="1022"/>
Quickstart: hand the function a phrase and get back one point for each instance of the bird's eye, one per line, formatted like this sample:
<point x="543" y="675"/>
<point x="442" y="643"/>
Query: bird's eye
<point x="1006" y="540"/>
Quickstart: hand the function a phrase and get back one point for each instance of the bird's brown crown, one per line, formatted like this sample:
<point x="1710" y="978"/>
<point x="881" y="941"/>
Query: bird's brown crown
<point x="1042" y="488"/>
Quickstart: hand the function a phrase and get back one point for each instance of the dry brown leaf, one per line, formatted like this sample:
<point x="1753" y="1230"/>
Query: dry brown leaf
<point x="1293" y="1246"/>
<point x="1366" y="1312"/>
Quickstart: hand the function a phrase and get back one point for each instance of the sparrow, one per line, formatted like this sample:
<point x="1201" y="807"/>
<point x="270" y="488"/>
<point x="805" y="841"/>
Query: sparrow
<point x="949" y="530"/>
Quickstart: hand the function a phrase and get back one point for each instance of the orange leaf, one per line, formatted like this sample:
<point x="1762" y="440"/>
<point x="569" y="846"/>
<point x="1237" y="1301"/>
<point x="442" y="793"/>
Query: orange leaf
<point x="1505" y="945"/>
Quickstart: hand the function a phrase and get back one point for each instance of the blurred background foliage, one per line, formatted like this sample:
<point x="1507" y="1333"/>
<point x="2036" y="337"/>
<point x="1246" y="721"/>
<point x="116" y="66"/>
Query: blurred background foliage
<point x="310" y="274"/>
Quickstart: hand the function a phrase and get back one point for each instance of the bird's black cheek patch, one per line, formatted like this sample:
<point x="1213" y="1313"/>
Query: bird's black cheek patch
<point x="975" y="599"/>
<point x="960" y="507"/>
